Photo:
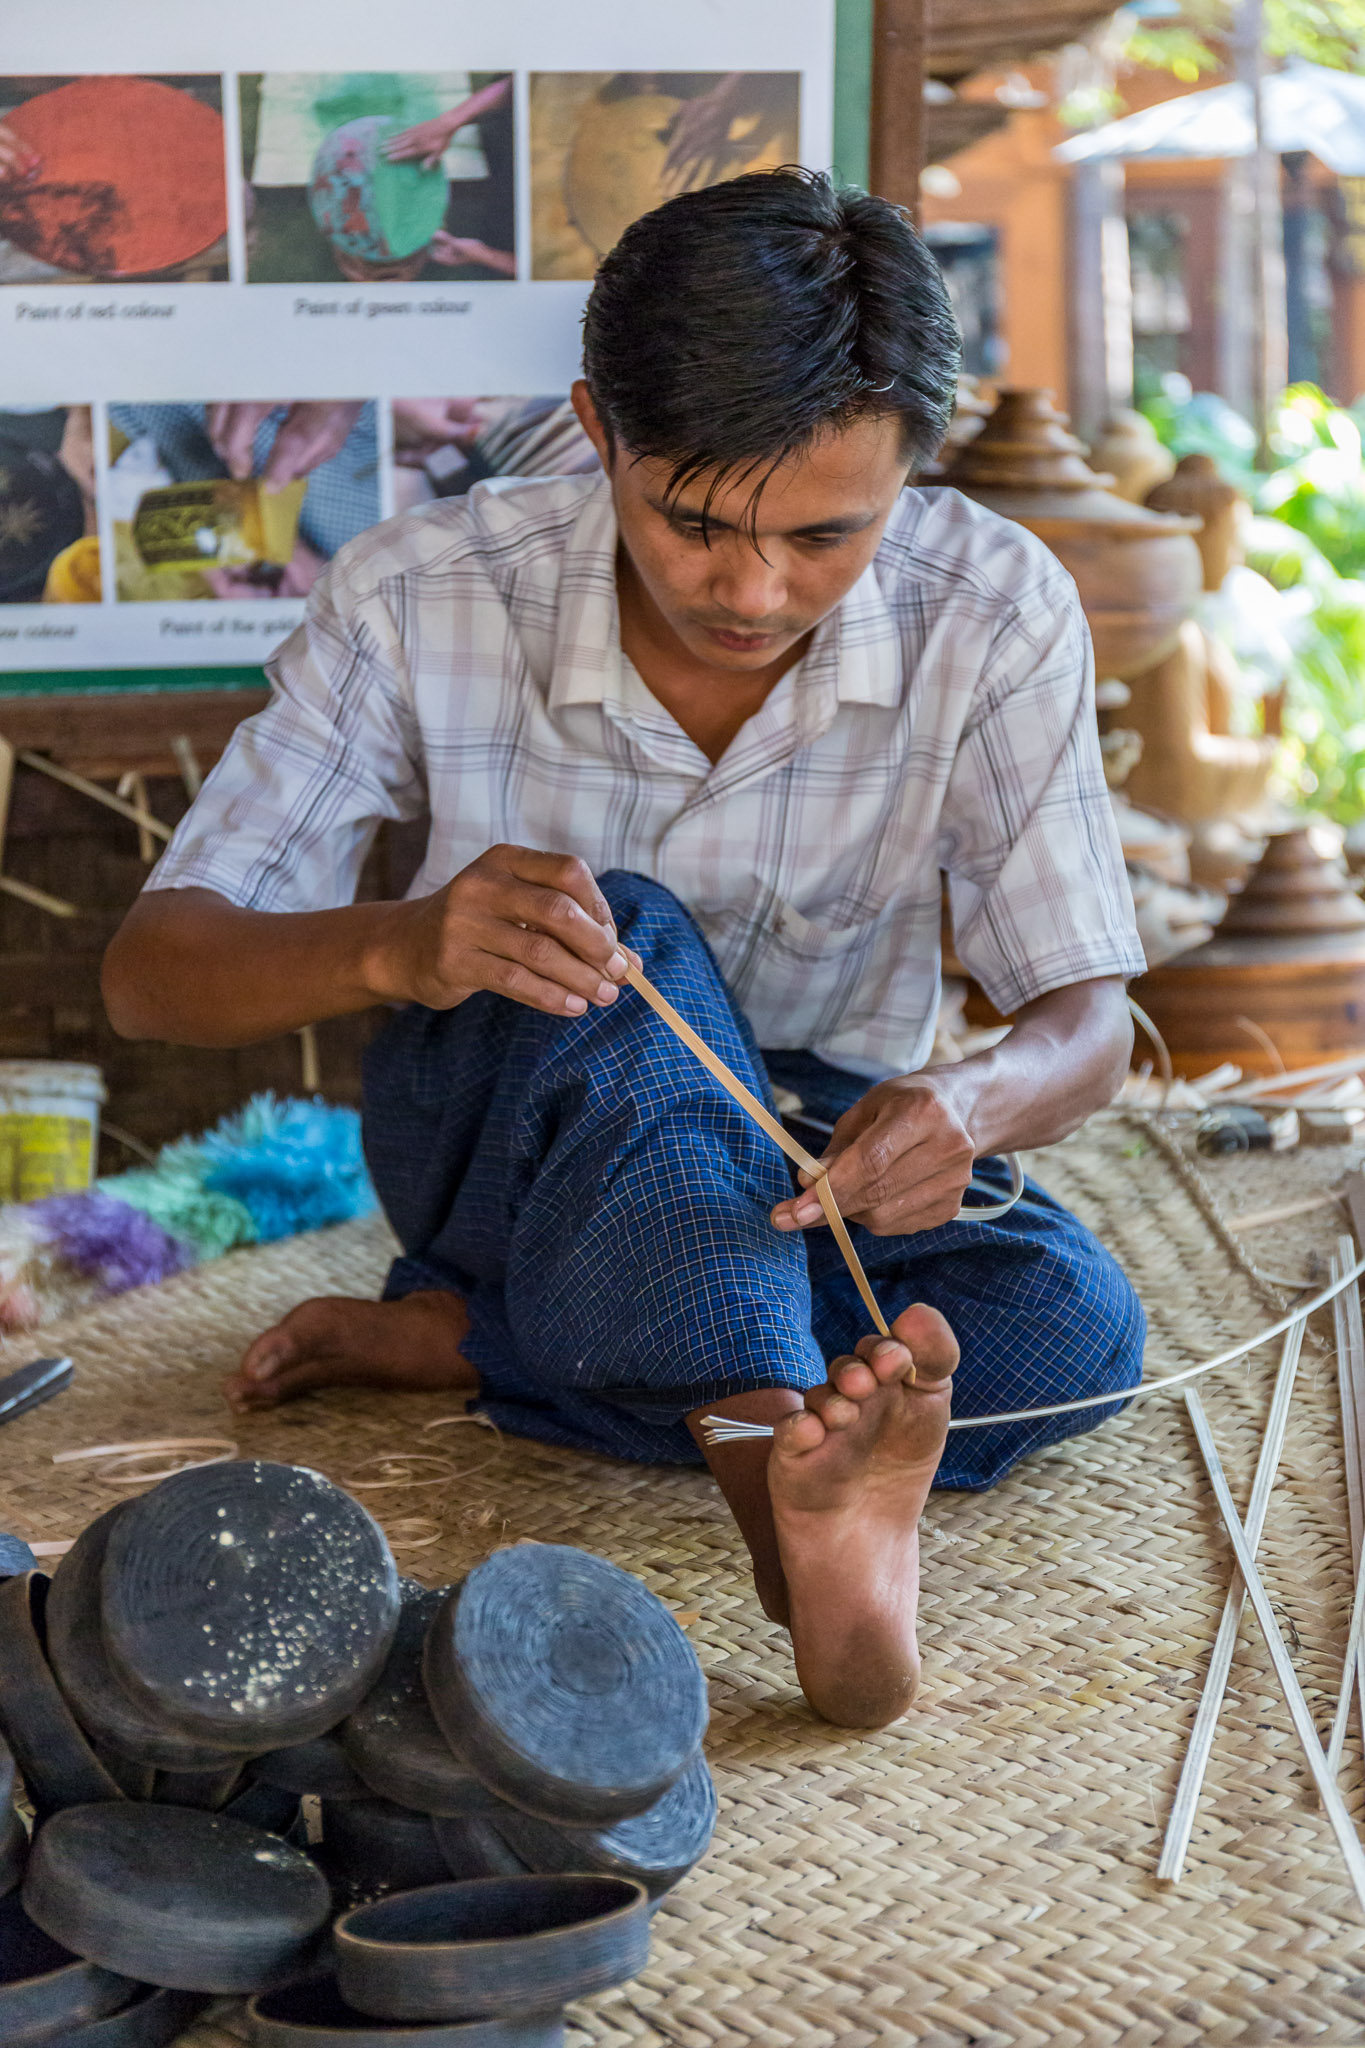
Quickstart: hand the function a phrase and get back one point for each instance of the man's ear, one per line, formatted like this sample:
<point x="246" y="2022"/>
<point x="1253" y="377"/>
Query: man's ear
<point x="590" y="420"/>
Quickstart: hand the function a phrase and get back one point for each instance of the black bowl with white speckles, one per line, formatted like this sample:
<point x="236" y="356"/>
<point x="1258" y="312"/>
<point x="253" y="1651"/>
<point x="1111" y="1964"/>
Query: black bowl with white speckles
<point x="172" y="1896"/>
<point x="251" y="1605"/>
<point x="111" y="1716"/>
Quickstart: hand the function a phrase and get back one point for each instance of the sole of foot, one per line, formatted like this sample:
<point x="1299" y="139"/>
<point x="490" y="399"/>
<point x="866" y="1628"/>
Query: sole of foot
<point x="412" y="1345"/>
<point x="848" y="1478"/>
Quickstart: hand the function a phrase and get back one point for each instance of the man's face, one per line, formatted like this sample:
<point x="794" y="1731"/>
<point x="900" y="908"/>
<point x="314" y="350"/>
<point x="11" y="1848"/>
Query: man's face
<point x="733" y="604"/>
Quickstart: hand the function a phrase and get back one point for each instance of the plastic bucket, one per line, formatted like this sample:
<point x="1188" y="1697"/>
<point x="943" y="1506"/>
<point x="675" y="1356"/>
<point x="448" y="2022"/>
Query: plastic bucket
<point x="49" y="1127"/>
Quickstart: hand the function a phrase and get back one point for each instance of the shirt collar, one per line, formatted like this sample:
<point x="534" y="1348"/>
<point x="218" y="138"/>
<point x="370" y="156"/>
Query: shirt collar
<point x="854" y="652"/>
<point x="587" y="652"/>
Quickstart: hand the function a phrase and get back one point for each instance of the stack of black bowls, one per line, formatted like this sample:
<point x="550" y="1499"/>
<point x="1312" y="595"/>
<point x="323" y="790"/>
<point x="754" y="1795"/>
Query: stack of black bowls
<point x="261" y="1763"/>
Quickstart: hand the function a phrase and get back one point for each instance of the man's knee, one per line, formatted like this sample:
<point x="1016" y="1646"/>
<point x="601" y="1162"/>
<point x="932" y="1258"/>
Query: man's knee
<point x="639" y="904"/>
<point x="1088" y="1309"/>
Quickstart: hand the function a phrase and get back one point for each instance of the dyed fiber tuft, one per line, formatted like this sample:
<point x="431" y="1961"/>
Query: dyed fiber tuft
<point x="273" y="1169"/>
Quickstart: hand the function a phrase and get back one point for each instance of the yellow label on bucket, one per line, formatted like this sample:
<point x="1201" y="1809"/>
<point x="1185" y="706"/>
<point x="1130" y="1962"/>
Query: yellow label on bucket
<point x="43" y="1155"/>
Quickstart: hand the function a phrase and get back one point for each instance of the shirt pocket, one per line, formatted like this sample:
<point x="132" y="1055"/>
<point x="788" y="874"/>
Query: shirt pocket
<point x="795" y="978"/>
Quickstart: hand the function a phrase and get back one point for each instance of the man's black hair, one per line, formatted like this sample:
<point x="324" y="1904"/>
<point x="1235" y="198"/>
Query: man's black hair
<point x="730" y="327"/>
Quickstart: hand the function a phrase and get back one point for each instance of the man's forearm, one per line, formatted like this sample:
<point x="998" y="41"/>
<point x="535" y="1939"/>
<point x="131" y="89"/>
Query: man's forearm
<point x="900" y="1159"/>
<point x="1065" y="1057"/>
<point x="189" y="967"/>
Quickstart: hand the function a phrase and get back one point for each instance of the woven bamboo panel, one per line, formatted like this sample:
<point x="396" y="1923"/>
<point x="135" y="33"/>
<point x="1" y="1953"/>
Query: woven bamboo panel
<point x="981" y="1873"/>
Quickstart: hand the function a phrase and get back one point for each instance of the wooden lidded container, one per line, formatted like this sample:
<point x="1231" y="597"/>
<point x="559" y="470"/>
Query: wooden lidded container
<point x="1138" y="572"/>
<point x="1289" y="956"/>
<point x="1196" y="488"/>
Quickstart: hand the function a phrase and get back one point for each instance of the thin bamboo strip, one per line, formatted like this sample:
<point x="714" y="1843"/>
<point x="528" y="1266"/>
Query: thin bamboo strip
<point x="1256" y="1219"/>
<point x="187" y="761"/>
<point x="1352" y="1676"/>
<point x="141" y="818"/>
<point x="310" y="1067"/>
<point x="1342" y="1827"/>
<point x="1350" y="1342"/>
<point x="1181" y="1823"/>
<point x="1264" y="1084"/>
<point x="747" y="1100"/>
<point x="132" y="787"/>
<point x="723" y="1429"/>
<point x="25" y="892"/>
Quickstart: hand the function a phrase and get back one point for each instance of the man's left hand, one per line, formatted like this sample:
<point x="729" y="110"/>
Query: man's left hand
<point x="899" y="1160"/>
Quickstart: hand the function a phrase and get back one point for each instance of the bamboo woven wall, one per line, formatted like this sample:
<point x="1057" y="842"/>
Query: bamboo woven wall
<point x="50" y="1005"/>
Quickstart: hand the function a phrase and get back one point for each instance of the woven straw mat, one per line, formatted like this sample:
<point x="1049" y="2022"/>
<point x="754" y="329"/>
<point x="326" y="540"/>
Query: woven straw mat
<point x="982" y="1872"/>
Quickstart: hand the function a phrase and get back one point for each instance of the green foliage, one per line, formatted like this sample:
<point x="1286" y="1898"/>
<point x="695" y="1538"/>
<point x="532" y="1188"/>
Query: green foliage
<point x="1308" y="540"/>
<point x="1177" y="48"/>
<point x="1325" y="705"/>
<point x="1324" y="31"/>
<point x="1328" y="32"/>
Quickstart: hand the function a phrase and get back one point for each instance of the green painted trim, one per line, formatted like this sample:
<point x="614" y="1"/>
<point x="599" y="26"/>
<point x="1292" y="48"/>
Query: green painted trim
<point x="852" y="89"/>
<point x="52" y="682"/>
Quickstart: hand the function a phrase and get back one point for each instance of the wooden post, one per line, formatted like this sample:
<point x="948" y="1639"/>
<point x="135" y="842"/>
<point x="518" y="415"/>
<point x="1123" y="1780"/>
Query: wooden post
<point x="896" y="141"/>
<point x="1099" y="298"/>
<point x="1257" y="194"/>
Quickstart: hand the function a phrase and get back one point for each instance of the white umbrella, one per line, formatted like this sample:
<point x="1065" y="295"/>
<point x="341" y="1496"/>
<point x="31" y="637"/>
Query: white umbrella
<point x="1304" y="106"/>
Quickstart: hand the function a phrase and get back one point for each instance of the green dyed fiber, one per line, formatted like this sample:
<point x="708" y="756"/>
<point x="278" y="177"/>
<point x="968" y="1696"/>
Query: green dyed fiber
<point x="212" y="1223"/>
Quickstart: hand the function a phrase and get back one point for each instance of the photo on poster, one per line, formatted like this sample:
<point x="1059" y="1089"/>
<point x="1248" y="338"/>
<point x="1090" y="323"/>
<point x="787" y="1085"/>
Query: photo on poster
<point x="49" y="538"/>
<point x="237" y="500"/>
<point x="442" y="447"/>
<point x="109" y="178"/>
<point x="365" y="177"/>
<point x="608" y="146"/>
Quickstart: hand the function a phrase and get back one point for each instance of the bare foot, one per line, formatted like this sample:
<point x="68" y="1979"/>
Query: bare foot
<point x="412" y="1344"/>
<point x="848" y="1477"/>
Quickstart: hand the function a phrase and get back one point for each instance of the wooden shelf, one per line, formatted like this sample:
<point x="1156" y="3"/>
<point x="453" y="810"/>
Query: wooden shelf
<point x="104" y="734"/>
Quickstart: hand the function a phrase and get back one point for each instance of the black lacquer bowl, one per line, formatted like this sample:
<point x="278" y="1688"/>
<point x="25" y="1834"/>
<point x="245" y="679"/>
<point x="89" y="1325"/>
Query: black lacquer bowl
<point x="492" y="1947"/>
<point x="172" y="1896"/>
<point x="564" y="1684"/>
<point x="315" y="2015"/>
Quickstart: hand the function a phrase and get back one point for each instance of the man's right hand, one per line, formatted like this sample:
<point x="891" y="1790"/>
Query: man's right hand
<point x="532" y="926"/>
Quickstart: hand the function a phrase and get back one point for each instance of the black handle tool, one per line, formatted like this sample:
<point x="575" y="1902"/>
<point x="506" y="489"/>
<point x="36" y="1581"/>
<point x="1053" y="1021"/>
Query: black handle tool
<point x="32" y="1383"/>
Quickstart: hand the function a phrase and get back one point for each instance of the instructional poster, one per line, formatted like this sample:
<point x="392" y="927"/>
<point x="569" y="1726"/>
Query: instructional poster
<point x="313" y="266"/>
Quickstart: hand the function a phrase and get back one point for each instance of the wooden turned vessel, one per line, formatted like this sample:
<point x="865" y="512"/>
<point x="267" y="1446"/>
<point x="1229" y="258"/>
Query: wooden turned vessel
<point x="1198" y="490"/>
<point x="1289" y="956"/>
<point x="1127" y="449"/>
<point x="1139" y="572"/>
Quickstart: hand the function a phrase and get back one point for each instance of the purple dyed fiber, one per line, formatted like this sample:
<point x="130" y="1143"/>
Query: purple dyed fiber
<point x="109" y="1241"/>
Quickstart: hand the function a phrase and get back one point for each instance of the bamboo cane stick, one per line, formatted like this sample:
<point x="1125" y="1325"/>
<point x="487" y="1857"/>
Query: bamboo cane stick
<point x="1256" y="1219"/>
<point x="747" y="1100"/>
<point x="1352" y="1677"/>
<point x="1347" y="1839"/>
<point x="1180" y="1826"/>
<point x="1274" y="1084"/>
<point x="70" y="780"/>
<point x="1350" y="1339"/>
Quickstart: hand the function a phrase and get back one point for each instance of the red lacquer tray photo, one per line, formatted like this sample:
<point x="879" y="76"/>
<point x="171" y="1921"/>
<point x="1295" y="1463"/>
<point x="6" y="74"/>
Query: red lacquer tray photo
<point x="131" y="177"/>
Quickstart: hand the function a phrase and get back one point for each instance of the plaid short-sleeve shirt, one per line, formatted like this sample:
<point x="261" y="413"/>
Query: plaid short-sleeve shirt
<point x="464" y="663"/>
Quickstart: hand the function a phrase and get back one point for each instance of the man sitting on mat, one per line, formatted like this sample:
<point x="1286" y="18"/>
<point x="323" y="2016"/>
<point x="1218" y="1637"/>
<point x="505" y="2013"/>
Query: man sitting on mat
<point x="728" y="708"/>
